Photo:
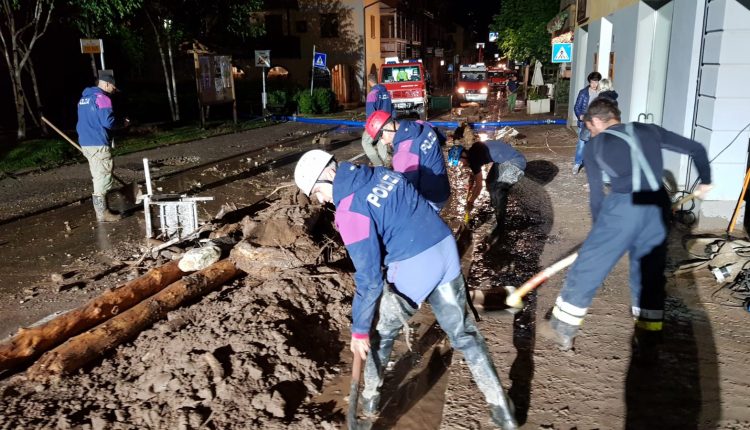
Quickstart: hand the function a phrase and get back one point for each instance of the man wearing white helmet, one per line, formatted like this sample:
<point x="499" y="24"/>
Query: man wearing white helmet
<point x="378" y="210"/>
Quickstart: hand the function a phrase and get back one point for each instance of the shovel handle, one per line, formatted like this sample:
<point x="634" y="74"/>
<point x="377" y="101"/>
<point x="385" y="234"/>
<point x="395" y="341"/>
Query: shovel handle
<point x="352" y="421"/>
<point x="65" y="136"/>
<point x="78" y="147"/>
<point x="536" y="280"/>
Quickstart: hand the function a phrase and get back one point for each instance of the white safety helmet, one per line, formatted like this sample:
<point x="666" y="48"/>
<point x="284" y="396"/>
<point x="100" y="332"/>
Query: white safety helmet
<point x="309" y="167"/>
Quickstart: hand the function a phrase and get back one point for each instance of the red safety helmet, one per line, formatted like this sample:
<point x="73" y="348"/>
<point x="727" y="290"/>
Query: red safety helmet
<point x="376" y="121"/>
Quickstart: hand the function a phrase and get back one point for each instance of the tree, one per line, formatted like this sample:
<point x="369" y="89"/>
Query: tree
<point x="95" y="17"/>
<point x="161" y="21"/>
<point x="521" y="25"/>
<point x="21" y="26"/>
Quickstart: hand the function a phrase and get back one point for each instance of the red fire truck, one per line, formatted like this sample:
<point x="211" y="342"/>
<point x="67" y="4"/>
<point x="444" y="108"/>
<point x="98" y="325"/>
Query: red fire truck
<point x="497" y="77"/>
<point x="406" y="84"/>
<point x="472" y="83"/>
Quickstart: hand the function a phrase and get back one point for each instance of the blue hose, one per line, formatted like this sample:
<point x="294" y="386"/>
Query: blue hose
<point x="441" y="124"/>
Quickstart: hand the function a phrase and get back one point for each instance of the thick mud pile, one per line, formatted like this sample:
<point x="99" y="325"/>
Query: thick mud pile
<point x="247" y="356"/>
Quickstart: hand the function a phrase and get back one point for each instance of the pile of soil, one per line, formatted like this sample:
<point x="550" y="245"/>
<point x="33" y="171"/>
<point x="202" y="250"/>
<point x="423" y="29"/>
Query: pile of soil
<point x="250" y="355"/>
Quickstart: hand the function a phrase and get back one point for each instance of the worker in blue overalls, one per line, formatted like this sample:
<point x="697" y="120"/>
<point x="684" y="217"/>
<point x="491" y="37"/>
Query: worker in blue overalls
<point x="633" y="218"/>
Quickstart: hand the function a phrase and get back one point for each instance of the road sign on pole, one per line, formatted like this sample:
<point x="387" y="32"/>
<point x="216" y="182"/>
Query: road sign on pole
<point x="93" y="46"/>
<point x="263" y="58"/>
<point x="562" y="52"/>
<point x="319" y="61"/>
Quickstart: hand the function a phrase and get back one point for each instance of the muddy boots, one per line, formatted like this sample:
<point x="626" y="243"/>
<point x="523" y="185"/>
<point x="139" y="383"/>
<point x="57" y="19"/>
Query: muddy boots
<point x="504" y="415"/>
<point x="561" y="333"/>
<point x="100" y="208"/>
<point x="646" y="345"/>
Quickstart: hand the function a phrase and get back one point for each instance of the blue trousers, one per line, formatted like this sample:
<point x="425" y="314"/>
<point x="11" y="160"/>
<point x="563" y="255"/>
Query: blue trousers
<point x="583" y="137"/>
<point x="632" y="223"/>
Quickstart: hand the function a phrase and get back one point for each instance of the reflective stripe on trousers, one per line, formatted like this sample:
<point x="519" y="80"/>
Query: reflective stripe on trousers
<point x="622" y="226"/>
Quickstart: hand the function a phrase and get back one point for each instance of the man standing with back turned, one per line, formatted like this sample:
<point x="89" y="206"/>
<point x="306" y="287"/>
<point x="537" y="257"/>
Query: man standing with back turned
<point x="95" y="120"/>
<point x="632" y="218"/>
<point x="377" y="99"/>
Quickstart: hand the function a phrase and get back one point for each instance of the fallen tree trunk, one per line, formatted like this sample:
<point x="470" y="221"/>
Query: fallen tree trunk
<point x="30" y="342"/>
<point x="89" y="346"/>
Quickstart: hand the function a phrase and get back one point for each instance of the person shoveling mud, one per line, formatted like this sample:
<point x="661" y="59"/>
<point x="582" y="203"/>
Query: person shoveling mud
<point x="375" y="209"/>
<point x="632" y="218"/>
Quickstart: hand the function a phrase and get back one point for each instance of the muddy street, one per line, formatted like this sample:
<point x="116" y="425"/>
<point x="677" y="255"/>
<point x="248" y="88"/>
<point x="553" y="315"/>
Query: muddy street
<point x="270" y="349"/>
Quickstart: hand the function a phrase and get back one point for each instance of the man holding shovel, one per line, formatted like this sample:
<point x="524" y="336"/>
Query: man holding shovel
<point x="95" y="120"/>
<point x="382" y="220"/>
<point x="633" y="218"/>
<point x="507" y="169"/>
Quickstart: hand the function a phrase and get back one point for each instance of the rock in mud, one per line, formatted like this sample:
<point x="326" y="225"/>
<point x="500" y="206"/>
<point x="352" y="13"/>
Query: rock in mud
<point x="199" y="258"/>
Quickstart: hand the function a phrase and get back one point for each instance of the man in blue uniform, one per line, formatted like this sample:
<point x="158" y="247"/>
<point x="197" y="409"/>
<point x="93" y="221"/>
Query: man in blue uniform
<point x="378" y="211"/>
<point x="632" y="218"/>
<point x="377" y="99"/>
<point x="95" y="120"/>
<point x="416" y="153"/>
<point x="507" y="169"/>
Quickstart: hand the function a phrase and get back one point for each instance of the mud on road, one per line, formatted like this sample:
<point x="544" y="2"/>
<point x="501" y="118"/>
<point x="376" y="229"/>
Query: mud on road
<point x="273" y="352"/>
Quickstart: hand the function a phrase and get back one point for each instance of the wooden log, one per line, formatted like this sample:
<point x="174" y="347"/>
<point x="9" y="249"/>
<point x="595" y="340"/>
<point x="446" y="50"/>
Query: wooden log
<point x="31" y="342"/>
<point x="91" y="345"/>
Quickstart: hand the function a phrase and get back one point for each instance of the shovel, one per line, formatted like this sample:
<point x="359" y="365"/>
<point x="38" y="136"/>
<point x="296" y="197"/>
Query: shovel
<point x="130" y="190"/>
<point x="351" y="417"/>
<point x="514" y="301"/>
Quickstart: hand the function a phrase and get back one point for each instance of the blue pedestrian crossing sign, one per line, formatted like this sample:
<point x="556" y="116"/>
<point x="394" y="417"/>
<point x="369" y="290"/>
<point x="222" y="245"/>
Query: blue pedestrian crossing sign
<point x="562" y="52"/>
<point x="319" y="60"/>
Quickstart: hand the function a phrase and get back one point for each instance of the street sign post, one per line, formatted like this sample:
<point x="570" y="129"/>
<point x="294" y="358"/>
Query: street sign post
<point x="93" y="46"/>
<point x="318" y="62"/>
<point x="263" y="59"/>
<point x="562" y="52"/>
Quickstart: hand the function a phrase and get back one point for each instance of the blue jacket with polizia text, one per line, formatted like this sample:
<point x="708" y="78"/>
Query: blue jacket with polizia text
<point x="378" y="99"/>
<point x="95" y="117"/>
<point x="418" y="155"/>
<point x="376" y="210"/>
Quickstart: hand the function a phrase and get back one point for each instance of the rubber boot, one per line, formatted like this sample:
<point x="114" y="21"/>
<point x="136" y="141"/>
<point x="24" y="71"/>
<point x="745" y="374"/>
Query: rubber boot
<point x="370" y="405"/>
<point x="102" y="213"/>
<point x="562" y="334"/>
<point x="504" y="415"/>
<point x="646" y="345"/>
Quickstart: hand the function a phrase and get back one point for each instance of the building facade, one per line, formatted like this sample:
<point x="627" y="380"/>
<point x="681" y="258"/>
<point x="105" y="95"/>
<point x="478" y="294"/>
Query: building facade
<point x="677" y="64"/>
<point x="357" y="36"/>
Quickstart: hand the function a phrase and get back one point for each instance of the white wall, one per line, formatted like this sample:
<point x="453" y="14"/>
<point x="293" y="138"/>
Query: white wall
<point x="723" y="101"/>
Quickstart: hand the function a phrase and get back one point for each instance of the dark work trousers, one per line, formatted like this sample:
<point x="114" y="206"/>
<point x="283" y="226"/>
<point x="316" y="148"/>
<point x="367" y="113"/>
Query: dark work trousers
<point x="633" y="223"/>
<point x="500" y="179"/>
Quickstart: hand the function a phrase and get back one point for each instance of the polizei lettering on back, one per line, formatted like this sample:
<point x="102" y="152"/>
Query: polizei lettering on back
<point x="381" y="190"/>
<point x="428" y="143"/>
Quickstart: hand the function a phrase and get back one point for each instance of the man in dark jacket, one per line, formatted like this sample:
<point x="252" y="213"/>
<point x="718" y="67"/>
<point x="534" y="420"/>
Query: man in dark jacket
<point x="507" y="169"/>
<point x="378" y="99"/>
<point x="512" y="88"/>
<point x="416" y="153"/>
<point x="585" y="97"/>
<point x="382" y="220"/>
<point x="95" y="120"/>
<point x="633" y="217"/>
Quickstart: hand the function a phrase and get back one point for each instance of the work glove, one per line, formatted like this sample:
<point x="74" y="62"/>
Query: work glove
<point x="360" y="346"/>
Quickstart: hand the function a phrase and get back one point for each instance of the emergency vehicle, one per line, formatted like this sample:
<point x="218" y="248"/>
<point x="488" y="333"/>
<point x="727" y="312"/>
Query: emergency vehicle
<point x="497" y="78"/>
<point x="472" y="83"/>
<point x="406" y="84"/>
